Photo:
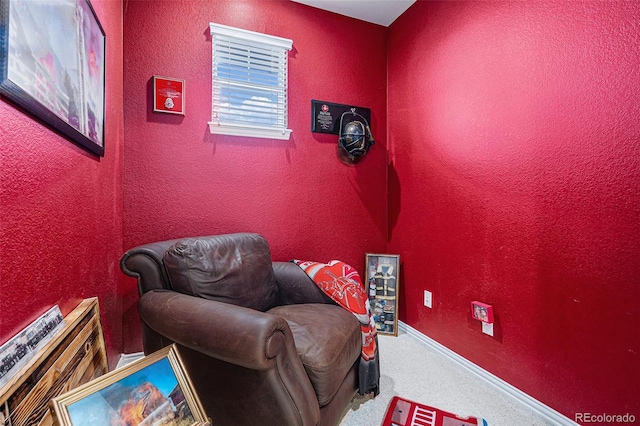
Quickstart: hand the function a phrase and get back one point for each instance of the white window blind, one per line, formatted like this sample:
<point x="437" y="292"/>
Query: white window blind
<point x="249" y="83"/>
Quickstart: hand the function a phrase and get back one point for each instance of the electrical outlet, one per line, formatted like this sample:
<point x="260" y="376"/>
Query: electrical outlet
<point x="428" y="301"/>
<point x="487" y="328"/>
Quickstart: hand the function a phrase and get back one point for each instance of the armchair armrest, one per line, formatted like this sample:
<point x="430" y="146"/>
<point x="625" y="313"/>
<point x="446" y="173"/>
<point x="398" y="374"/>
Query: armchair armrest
<point x="145" y="264"/>
<point x="238" y="335"/>
<point x="254" y="340"/>
<point x="295" y="286"/>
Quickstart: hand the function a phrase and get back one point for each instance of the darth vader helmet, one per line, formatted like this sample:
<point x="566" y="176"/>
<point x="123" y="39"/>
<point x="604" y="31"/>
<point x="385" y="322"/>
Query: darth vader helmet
<point x="355" y="136"/>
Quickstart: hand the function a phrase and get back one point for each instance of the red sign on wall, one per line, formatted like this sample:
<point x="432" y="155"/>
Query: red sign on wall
<point x="168" y="95"/>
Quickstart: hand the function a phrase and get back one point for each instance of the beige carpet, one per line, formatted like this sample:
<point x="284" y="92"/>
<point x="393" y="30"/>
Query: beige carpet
<point x="414" y="371"/>
<point x="440" y="383"/>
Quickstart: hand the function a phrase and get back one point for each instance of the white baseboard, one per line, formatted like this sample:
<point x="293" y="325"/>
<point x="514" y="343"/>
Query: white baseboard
<point x="544" y="411"/>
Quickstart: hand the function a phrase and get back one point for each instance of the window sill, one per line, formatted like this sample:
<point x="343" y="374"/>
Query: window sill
<point x="252" y="132"/>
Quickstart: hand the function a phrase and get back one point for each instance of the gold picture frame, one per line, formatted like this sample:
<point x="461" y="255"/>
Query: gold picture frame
<point x="156" y="385"/>
<point x="383" y="282"/>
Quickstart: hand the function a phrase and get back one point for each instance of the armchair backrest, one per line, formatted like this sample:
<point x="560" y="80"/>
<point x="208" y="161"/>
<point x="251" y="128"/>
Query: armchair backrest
<point x="232" y="268"/>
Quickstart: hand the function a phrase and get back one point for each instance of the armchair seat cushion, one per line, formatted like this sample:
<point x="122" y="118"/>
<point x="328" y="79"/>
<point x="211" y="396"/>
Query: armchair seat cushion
<point x="328" y="341"/>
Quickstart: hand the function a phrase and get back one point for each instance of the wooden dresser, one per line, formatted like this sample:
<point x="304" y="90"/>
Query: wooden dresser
<point x="74" y="356"/>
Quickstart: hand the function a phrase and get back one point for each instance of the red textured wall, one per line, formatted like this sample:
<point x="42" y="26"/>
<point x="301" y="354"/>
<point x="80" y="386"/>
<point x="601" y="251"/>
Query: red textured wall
<point x="514" y="141"/>
<point x="61" y="210"/>
<point x="513" y="138"/>
<point x="179" y="180"/>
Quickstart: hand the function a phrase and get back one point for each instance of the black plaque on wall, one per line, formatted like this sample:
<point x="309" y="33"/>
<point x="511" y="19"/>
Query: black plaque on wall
<point x="325" y="116"/>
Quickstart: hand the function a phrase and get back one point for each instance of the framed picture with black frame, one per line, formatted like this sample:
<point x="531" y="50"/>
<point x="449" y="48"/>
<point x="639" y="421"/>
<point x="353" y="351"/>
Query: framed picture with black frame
<point x="152" y="390"/>
<point x="382" y="282"/>
<point x="52" y="66"/>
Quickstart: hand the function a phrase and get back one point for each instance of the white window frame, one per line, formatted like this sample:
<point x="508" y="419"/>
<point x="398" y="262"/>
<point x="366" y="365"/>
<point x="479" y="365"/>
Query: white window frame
<point x="221" y="36"/>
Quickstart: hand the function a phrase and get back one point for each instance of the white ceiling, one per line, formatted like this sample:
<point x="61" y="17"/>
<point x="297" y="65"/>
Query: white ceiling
<point x="381" y="12"/>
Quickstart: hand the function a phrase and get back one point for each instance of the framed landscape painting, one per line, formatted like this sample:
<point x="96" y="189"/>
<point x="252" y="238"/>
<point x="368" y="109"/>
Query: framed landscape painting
<point x="153" y="390"/>
<point x="52" y="66"/>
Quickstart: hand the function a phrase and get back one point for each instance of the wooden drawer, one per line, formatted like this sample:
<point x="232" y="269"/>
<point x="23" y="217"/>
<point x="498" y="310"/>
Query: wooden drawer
<point x="74" y="356"/>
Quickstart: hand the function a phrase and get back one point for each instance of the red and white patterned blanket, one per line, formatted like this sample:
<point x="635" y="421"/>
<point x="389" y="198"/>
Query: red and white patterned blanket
<point x="342" y="283"/>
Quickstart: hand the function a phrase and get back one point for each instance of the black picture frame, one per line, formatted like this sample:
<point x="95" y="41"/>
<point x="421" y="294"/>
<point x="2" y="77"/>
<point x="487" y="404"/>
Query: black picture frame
<point x="325" y="116"/>
<point x="52" y="66"/>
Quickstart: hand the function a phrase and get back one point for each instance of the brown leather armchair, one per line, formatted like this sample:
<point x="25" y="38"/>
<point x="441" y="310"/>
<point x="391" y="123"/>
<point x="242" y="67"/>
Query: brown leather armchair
<point x="263" y="345"/>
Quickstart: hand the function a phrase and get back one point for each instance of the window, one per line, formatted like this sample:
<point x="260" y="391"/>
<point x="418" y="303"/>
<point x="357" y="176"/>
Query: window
<point x="249" y="83"/>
